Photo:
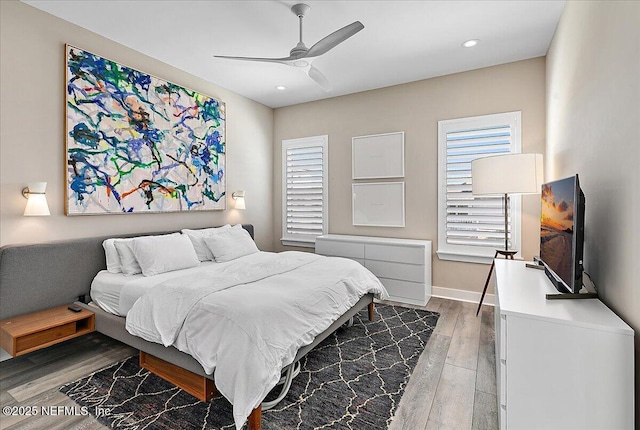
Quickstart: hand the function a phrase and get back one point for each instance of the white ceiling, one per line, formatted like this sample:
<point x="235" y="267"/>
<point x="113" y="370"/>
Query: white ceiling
<point x="402" y="41"/>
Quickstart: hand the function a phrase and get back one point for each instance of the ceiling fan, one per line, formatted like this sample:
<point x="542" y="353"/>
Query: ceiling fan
<point x="301" y="56"/>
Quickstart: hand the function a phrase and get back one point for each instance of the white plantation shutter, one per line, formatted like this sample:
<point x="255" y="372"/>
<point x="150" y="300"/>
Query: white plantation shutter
<point x="473" y="221"/>
<point x="304" y="190"/>
<point x="471" y="228"/>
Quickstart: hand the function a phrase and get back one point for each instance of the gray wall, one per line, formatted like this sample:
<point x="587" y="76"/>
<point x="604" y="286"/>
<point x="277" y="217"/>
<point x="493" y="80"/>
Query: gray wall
<point x="32" y="135"/>
<point x="593" y="129"/>
<point x="416" y="108"/>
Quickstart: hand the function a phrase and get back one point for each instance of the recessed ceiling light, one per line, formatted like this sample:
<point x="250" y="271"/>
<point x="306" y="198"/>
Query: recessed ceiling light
<point x="470" y="43"/>
<point x="281" y="87"/>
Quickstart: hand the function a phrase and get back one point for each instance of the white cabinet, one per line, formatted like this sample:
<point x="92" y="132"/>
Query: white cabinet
<point x="560" y="364"/>
<point x="403" y="265"/>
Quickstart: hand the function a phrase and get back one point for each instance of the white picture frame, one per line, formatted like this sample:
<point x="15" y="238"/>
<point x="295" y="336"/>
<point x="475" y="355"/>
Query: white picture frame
<point x="379" y="204"/>
<point x="378" y="156"/>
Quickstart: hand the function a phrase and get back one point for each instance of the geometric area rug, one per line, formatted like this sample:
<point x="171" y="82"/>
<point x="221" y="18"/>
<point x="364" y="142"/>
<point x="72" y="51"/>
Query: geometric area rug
<point x="353" y="380"/>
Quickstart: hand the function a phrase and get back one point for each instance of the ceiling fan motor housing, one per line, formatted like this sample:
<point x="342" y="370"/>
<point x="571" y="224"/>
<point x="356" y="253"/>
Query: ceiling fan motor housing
<point x="299" y="50"/>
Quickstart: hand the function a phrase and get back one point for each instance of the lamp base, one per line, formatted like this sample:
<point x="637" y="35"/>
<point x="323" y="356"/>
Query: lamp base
<point x="508" y="254"/>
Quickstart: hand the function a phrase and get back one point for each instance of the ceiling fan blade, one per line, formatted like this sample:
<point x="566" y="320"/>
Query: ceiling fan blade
<point x="320" y="79"/>
<point x="266" y="60"/>
<point x="334" y="39"/>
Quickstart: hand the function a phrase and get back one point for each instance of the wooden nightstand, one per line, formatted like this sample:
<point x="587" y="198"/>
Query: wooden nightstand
<point x="30" y="332"/>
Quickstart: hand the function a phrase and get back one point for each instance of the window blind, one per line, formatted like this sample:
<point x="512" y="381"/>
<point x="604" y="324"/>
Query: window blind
<point x="473" y="221"/>
<point x="305" y="176"/>
<point x="471" y="228"/>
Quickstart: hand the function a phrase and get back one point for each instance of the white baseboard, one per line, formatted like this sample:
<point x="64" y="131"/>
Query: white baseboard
<point x="462" y="295"/>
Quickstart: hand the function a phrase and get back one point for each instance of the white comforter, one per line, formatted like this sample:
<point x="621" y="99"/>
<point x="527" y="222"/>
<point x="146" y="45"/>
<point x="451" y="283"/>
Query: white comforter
<point x="248" y="318"/>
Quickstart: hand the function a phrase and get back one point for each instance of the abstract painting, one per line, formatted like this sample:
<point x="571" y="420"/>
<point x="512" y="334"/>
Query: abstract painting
<point x="138" y="144"/>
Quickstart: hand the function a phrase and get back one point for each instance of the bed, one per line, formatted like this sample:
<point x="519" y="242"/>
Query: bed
<point x="35" y="277"/>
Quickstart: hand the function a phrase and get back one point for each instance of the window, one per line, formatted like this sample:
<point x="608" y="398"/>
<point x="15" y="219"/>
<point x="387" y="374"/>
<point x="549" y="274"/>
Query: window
<point x="304" y="190"/>
<point x="472" y="228"/>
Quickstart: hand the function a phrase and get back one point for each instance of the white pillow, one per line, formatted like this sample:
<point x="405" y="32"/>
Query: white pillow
<point x="197" y="239"/>
<point x="160" y="254"/>
<point x="230" y="244"/>
<point x="111" y="254"/>
<point x="128" y="263"/>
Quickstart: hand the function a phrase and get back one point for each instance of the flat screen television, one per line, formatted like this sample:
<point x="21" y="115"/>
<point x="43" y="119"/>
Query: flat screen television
<point x="562" y="233"/>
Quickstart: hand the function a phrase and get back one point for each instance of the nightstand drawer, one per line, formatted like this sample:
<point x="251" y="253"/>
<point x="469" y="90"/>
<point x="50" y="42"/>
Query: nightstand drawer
<point x="45" y="336"/>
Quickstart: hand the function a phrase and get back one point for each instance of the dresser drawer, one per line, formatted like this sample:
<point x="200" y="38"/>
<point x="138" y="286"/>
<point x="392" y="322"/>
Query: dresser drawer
<point x="404" y="289"/>
<point x="400" y="254"/>
<point x="403" y="265"/>
<point x="401" y="271"/>
<point x="502" y="393"/>
<point x="339" y="248"/>
<point x="357" y="260"/>
<point x="503" y="338"/>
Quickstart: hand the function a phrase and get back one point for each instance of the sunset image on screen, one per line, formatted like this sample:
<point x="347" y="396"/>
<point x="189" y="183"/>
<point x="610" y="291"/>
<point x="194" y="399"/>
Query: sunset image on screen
<point x="556" y="226"/>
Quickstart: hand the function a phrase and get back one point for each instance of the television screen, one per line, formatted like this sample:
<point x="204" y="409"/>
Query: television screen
<point x="561" y="232"/>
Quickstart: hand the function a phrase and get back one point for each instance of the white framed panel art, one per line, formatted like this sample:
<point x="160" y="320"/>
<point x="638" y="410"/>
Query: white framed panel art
<point x="378" y="156"/>
<point x="379" y="204"/>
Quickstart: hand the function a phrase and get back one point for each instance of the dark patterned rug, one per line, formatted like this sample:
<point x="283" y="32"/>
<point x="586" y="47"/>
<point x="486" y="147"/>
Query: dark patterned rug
<point x="352" y="380"/>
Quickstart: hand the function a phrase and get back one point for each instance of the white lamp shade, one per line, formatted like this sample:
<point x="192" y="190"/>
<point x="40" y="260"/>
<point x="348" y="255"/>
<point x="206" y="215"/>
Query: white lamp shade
<point x="37" y="200"/>
<point x="238" y="196"/>
<point x="507" y="174"/>
<point x="240" y="203"/>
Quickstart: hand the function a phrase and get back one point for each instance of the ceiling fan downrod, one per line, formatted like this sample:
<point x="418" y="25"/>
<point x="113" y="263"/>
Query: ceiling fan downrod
<point x="300" y="10"/>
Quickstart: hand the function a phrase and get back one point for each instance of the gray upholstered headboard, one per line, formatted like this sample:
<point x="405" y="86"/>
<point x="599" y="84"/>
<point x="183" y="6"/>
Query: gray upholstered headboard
<point x="40" y="276"/>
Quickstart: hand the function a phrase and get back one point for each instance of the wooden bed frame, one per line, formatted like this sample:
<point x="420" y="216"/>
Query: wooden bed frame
<point x="40" y="276"/>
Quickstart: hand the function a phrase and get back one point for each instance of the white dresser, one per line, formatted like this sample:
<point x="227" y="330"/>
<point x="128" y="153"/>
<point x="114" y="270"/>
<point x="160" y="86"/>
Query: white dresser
<point x="403" y="265"/>
<point x="561" y="364"/>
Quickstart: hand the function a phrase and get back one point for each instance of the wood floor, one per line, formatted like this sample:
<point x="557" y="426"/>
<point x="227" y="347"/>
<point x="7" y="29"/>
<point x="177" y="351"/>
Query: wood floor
<point x="452" y="387"/>
<point x="454" y="383"/>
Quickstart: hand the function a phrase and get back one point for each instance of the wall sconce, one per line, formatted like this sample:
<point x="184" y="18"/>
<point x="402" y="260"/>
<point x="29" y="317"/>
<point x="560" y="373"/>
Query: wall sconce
<point x="36" y="199"/>
<point x="238" y="196"/>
